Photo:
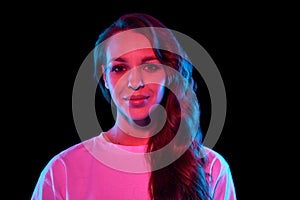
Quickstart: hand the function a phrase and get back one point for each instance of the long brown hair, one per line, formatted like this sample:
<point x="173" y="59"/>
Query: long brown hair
<point x="184" y="178"/>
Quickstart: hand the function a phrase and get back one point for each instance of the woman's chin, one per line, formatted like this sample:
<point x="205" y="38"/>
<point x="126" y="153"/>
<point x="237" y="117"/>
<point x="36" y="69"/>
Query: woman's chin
<point x="143" y="115"/>
<point x="141" y="120"/>
<point x="138" y="113"/>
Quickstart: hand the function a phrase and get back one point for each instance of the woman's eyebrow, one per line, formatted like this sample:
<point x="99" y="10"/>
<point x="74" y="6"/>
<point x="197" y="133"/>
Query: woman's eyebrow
<point x="119" y="59"/>
<point x="148" y="58"/>
<point x="145" y="59"/>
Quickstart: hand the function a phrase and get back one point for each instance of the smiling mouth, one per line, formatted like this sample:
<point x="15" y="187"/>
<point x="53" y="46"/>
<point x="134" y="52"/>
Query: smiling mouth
<point x="136" y="97"/>
<point x="137" y="101"/>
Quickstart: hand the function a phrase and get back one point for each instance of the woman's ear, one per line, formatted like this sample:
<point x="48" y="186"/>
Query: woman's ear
<point x="104" y="76"/>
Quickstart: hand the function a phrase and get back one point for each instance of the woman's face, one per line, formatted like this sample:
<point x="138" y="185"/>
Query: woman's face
<point x="136" y="78"/>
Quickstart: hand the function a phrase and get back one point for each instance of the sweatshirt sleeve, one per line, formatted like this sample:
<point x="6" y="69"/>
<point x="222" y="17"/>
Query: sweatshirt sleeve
<point x="51" y="184"/>
<point x="224" y="187"/>
<point x="219" y="177"/>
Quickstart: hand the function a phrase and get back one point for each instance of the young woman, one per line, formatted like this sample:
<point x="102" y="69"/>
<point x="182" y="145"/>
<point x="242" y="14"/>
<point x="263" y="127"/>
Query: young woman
<point x="154" y="150"/>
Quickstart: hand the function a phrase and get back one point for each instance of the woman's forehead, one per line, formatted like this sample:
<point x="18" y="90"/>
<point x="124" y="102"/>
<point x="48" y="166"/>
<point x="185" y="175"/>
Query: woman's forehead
<point x="139" y="55"/>
<point x="130" y="41"/>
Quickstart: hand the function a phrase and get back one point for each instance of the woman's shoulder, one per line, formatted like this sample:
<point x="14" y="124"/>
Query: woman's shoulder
<point x="76" y="152"/>
<point x="216" y="164"/>
<point x="219" y="175"/>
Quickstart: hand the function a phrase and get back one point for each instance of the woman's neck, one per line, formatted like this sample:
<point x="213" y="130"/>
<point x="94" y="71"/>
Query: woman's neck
<point x="130" y="133"/>
<point x="117" y="136"/>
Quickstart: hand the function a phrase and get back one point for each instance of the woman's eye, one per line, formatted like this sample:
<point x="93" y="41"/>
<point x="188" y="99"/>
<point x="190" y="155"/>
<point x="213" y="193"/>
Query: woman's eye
<point x="151" y="67"/>
<point x="118" y="68"/>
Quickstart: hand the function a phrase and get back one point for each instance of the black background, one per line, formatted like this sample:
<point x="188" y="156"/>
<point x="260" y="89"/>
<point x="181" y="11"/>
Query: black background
<point x="48" y="43"/>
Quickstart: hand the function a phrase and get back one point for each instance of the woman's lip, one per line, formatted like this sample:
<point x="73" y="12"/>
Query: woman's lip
<point x="136" y="97"/>
<point x="137" y="101"/>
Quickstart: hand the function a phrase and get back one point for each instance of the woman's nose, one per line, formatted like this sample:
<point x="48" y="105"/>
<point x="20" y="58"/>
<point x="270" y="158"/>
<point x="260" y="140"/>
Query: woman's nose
<point x="135" y="79"/>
